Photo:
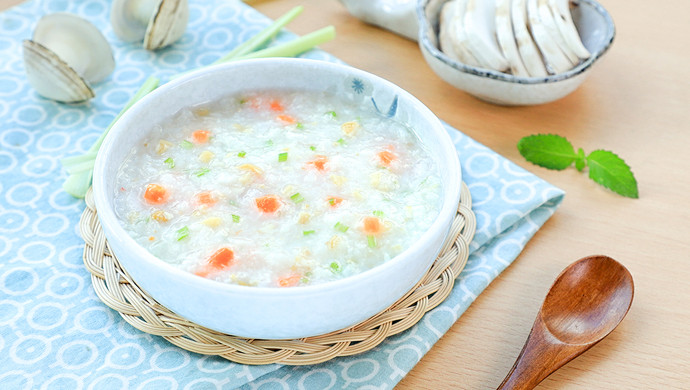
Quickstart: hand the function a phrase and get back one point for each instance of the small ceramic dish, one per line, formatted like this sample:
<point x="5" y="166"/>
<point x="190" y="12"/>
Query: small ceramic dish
<point x="596" y="30"/>
<point x="265" y="312"/>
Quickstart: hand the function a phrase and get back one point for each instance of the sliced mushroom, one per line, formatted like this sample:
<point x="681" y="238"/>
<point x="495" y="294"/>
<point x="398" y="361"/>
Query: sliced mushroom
<point x="547" y="20"/>
<point x="480" y="28"/>
<point x="564" y="22"/>
<point x="506" y="39"/>
<point x="158" y="22"/>
<point x="556" y="62"/>
<point x="65" y="55"/>
<point x="528" y="50"/>
<point x="452" y="35"/>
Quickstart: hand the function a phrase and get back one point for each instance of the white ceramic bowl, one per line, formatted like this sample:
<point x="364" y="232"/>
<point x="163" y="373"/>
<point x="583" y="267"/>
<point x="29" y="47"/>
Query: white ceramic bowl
<point x="597" y="32"/>
<point x="275" y="313"/>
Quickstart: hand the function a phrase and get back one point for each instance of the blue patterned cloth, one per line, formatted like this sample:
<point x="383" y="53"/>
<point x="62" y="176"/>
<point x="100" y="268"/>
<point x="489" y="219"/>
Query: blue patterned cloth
<point x="56" y="334"/>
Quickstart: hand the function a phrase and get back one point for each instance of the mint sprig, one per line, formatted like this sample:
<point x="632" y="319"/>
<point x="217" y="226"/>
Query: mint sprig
<point x="556" y="152"/>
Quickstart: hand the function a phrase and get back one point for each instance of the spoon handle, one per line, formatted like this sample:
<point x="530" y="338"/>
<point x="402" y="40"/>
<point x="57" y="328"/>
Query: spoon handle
<point x="541" y="355"/>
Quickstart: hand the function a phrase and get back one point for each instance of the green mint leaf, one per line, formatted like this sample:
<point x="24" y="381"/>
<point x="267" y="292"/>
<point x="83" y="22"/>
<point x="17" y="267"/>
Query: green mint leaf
<point x="609" y="170"/>
<point x="581" y="160"/>
<point x="547" y="150"/>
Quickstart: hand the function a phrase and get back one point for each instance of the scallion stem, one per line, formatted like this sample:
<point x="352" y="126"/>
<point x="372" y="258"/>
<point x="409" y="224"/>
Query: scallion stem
<point x="262" y="36"/>
<point x="80" y="167"/>
<point x="78" y="182"/>
<point x="294" y="47"/>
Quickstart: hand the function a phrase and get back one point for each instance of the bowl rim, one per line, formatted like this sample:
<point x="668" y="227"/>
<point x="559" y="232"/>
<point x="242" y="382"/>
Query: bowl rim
<point x="110" y="222"/>
<point x="426" y="44"/>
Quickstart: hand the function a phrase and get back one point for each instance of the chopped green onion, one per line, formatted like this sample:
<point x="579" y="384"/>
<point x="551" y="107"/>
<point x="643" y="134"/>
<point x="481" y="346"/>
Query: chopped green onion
<point x="297" y="197"/>
<point x="341" y="141"/>
<point x="269" y="142"/>
<point x="331" y="201"/>
<point x="371" y="241"/>
<point x="202" y="172"/>
<point x="170" y="162"/>
<point x="308" y="232"/>
<point x="300" y="126"/>
<point x="335" y="267"/>
<point x="182" y="233"/>
<point x="340" y="227"/>
<point x="282" y="157"/>
<point x="235" y="218"/>
<point x="313" y="148"/>
<point x="186" y="144"/>
<point x="378" y="213"/>
<point x="332" y="114"/>
<point x="241" y="154"/>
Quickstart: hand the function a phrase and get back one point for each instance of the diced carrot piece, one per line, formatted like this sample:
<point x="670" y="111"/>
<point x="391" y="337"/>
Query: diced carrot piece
<point x="334" y="201"/>
<point x="372" y="225"/>
<point x="268" y="203"/>
<point x="289" y="281"/>
<point x="319" y="163"/>
<point x="205" y="198"/>
<point x="155" y="194"/>
<point x="201" y="136"/>
<point x="287" y="119"/>
<point x="222" y="258"/>
<point x="386" y="157"/>
<point x="276" y="106"/>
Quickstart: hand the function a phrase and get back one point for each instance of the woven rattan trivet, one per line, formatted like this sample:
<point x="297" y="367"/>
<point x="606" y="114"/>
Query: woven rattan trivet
<point x="117" y="290"/>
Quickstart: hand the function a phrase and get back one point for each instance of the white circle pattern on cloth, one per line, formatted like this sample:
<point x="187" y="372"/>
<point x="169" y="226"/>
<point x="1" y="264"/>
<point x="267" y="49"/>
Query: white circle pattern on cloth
<point x="56" y="334"/>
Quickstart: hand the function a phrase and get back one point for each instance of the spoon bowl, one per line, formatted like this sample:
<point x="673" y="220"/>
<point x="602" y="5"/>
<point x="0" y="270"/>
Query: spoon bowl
<point x="585" y="304"/>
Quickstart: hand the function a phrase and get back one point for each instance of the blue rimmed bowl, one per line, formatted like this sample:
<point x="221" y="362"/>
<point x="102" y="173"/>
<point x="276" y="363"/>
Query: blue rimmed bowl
<point x="597" y="32"/>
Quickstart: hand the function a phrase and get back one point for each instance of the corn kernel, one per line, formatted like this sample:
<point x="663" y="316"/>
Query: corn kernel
<point x="162" y="146"/>
<point x="338" y="180"/>
<point x="212" y="222"/>
<point x="334" y="241"/>
<point x="304" y="218"/>
<point x="160" y="216"/>
<point x="350" y="128"/>
<point x="206" y="156"/>
<point x="252" y="168"/>
<point x="202" y="112"/>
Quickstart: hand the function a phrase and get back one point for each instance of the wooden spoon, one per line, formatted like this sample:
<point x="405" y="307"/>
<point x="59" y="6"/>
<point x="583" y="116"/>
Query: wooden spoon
<point x="585" y="303"/>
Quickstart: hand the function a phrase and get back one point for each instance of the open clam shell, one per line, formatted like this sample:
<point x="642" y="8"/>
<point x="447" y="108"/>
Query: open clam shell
<point x="158" y="22"/>
<point x="52" y="77"/>
<point x="65" y="55"/>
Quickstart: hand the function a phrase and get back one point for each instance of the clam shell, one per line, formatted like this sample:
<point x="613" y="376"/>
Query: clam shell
<point x="52" y="77"/>
<point x="78" y="43"/>
<point x="166" y="25"/>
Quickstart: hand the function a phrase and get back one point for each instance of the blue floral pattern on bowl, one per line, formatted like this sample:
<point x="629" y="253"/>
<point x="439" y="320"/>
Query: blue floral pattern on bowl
<point x="362" y="89"/>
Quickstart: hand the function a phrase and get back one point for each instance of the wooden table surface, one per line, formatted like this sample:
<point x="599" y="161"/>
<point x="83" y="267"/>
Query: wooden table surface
<point x="636" y="102"/>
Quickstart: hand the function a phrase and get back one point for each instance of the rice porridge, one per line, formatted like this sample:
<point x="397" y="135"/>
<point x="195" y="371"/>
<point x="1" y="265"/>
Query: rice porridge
<point x="278" y="189"/>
